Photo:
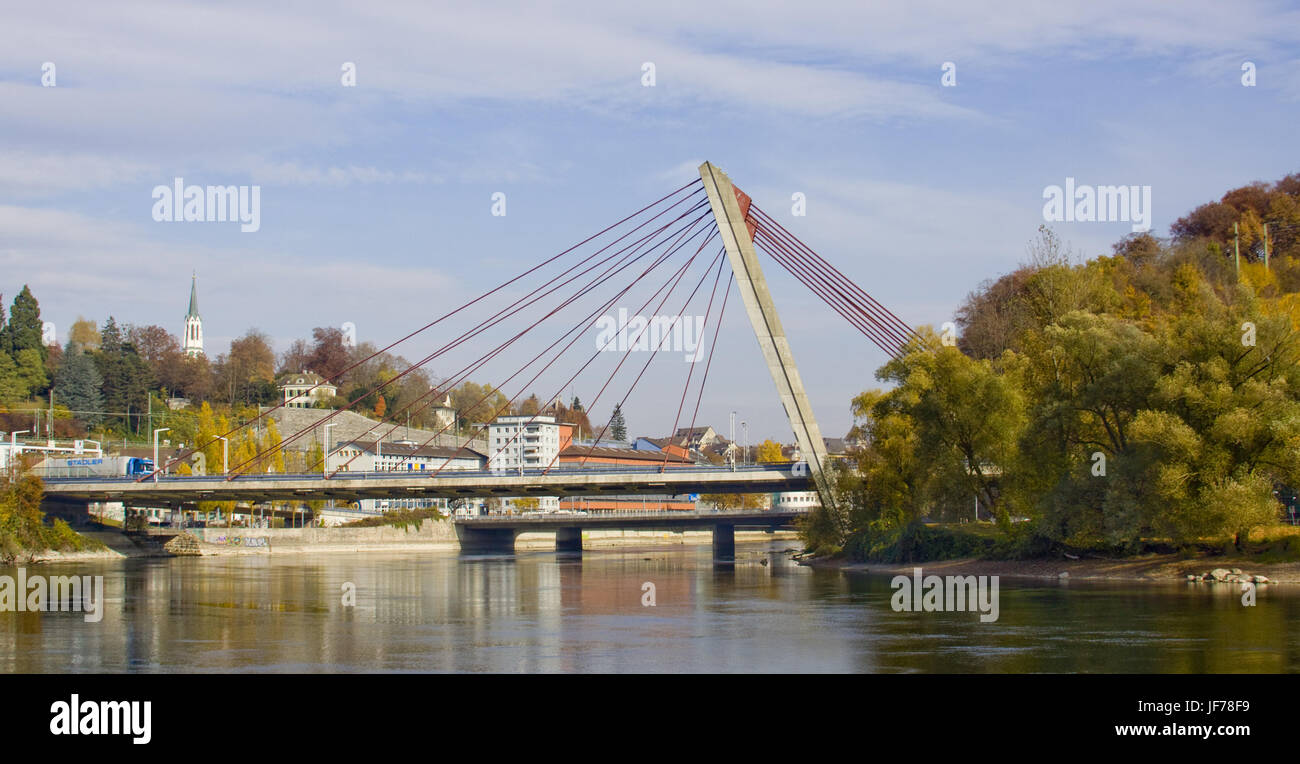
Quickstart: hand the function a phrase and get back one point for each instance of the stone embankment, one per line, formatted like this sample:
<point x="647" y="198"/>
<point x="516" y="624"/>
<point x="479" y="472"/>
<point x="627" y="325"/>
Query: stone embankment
<point x="1227" y="576"/>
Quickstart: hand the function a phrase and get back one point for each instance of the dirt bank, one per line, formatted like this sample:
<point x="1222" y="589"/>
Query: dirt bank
<point x="1161" y="568"/>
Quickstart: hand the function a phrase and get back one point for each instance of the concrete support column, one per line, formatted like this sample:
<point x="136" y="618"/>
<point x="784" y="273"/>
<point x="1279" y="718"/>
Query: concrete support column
<point x="724" y="199"/>
<point x="486" y="540"/>
<point x="568" y="540"/>
<point x="724" y="542"/>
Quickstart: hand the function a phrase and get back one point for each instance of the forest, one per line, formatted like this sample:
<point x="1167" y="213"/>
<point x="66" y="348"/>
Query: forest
<point x="1140" y="400"/>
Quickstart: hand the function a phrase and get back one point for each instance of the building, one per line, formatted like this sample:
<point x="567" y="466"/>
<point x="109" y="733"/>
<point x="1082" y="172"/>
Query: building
<point x="311" y="386"/>
<point x="523" y="442"/>
<point x="400" y="456"/>
<point x="517" y="443"/>
<point x="695" y="437"/>
<point x="192" y="343"/>
<point x="800" y="500"/>
<point x="590" y="455"/>
<point x="444" y="416"/>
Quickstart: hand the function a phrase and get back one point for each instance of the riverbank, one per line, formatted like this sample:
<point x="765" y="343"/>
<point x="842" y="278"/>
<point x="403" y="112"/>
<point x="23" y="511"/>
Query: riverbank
<point x="1151" y="568"/>
<point x="428" y="535"/>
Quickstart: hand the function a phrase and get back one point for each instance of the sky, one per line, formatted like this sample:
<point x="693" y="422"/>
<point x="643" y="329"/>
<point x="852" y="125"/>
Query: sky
<point x="376" y="199"/>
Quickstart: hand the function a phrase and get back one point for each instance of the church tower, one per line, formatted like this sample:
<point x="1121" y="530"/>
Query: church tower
<point x="193" y="342"/>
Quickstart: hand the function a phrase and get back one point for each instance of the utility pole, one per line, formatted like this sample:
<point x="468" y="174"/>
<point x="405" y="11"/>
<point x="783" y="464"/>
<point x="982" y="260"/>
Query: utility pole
<point x="50" y="424"/>
<point x="1236" y="247"/>
<point x="1266" y="246"/>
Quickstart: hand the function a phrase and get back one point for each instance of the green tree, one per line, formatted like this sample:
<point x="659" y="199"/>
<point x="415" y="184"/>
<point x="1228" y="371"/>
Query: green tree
<point x="127" y="378"/>
<point x="617" y="425"/>
<point x="78" y="386"/>
<point x="23" y="332"/>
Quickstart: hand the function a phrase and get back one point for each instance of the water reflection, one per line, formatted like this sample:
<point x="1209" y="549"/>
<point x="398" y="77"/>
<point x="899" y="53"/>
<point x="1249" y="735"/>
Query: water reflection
<point x="538" y="612"/>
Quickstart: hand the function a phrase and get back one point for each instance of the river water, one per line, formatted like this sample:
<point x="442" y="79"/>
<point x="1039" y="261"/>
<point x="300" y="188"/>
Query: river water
<point x="539" y="612"/>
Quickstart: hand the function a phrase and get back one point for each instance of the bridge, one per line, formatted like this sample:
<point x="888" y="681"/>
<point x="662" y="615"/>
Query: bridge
<point x="179" y="491"/>
<point x="488" y="535"/>
<point x="676" y="228"/>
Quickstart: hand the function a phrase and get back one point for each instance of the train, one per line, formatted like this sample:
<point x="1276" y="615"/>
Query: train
<point x="94" y="466"/>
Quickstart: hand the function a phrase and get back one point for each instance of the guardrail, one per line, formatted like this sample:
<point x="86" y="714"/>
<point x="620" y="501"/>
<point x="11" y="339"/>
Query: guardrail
<point x="378" y="474"/>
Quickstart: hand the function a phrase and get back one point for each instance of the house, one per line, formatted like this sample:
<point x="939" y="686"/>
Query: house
<point x="695" y="437"/>
<point x="304" y="389"/>
<point x="444" y="416"/>
<point x="588" y="455"/>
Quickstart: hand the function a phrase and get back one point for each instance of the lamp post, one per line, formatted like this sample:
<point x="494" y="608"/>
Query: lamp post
<point x="745" y="439"/>
<point x="732" y="434"/>
<point x="325" y="453"/>
<point x="13" y="450"/>
<point x="155" y="451"/>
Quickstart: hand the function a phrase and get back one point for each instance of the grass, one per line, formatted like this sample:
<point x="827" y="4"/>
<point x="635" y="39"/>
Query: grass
<point x="400" y="519"/>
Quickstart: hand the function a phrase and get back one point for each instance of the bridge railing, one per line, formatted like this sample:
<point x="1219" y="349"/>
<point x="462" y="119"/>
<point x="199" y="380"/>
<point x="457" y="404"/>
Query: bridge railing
<point x="622" y="513"/>
<point x="451" y="473"/>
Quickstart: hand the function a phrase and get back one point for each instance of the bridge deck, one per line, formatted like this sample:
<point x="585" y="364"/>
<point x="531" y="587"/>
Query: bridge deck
<point x="181" y="490"/>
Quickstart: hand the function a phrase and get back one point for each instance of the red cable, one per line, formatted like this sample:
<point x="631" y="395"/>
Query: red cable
<point x="544" y="263"/>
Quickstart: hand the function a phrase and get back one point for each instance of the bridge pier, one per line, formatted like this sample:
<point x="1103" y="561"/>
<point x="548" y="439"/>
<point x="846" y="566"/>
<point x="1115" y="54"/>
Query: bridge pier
<point x="724" y="542"/>
<point x="487" y="540"/>
<point x="568" y="540"/>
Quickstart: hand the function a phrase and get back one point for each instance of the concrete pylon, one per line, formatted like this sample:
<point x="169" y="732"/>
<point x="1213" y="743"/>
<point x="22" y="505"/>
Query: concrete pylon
<point x="730" y="208"/>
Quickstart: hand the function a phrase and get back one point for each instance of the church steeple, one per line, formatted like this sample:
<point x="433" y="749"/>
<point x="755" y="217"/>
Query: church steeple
<point x="193" y="342"/>
<point x="194" y="297"/>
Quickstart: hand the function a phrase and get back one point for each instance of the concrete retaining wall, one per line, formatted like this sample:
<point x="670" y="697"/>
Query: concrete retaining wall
<point x="430" y="534"/>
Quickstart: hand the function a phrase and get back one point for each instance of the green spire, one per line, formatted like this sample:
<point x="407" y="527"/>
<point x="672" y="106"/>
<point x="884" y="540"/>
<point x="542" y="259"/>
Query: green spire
<point x="194" y="297"/>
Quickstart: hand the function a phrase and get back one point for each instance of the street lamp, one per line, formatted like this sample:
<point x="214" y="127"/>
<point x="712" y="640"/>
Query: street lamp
<point x="155" y="451"/>
<point x="745" y="439"/>
<point x="732" y="435"/>
<point x="325" y="454"/>
<point x="13" y="449"/>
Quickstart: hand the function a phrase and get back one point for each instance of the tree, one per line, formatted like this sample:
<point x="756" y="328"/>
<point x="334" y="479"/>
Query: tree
<point x="12" y="386"/>
<point x="968" y="415"/>
<point x="296" y="358"/>
<point x="162" y="351"/>
<point x="617" y="426"/>
<point x="329" y="355"/>
<point x="23" y="332"/>
<point x="769" y="451"/>
<point x="30" y="368"/>
<point x="245" y="375"/>
<point x="477" y="404"/>
<point x="78" y="386"/>
<point x="84" y="334"/>
<point x="575" y="416"/>
<point x="127" y="378"/>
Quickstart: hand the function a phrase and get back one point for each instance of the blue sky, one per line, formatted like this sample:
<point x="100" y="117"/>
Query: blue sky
<point x="376" y="199"/>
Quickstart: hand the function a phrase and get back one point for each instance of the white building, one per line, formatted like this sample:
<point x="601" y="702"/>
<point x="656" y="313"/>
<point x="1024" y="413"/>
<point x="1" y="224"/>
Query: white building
<point x="192" y="343"/>
<point x="400" y="456"/>
<point x="311" y="386"/>
<point x="527" y="442"/>
<point x="798" y="500"/>
<point x="524" y="443"/>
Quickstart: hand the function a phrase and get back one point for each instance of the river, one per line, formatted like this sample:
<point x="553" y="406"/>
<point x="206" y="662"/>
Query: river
<point x="538" y="612"/>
